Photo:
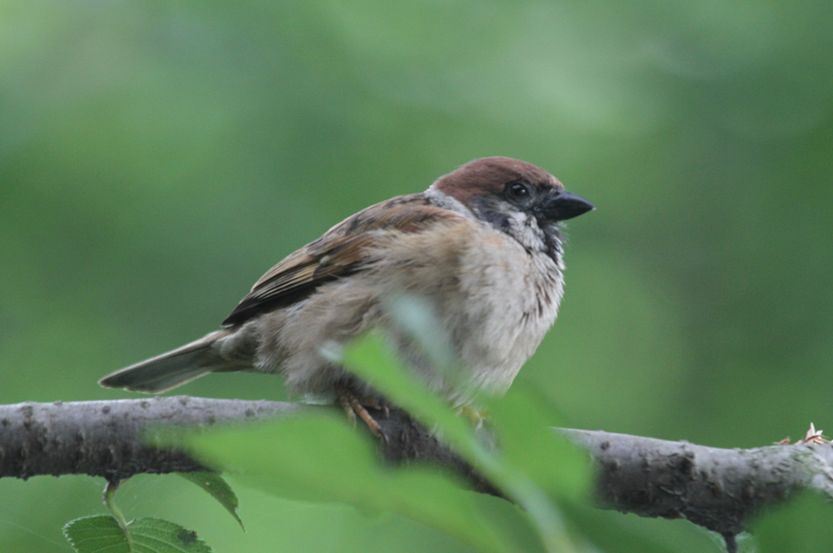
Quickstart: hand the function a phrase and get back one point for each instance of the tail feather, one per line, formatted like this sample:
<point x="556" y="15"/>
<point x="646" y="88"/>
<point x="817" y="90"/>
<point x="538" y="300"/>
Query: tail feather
<point x="170" y="369"/>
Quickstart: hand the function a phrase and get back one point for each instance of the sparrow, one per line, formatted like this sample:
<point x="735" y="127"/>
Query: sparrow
<point x="482" y="247"/>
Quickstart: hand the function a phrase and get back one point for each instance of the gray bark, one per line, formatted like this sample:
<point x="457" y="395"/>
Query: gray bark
<point x="718" y="489"/>
<point x="106" y="438"/>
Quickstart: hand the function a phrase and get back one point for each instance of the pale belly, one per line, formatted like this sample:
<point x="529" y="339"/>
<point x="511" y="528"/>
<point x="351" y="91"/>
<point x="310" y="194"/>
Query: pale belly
<point x="509" y="309"/>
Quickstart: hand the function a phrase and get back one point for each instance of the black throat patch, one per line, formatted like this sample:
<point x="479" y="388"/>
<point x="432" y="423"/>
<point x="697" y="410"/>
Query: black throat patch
<point x="498" y="215"/>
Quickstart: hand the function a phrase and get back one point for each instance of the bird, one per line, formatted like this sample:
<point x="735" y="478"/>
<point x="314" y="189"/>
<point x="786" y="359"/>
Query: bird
<point x="482" y="247"/>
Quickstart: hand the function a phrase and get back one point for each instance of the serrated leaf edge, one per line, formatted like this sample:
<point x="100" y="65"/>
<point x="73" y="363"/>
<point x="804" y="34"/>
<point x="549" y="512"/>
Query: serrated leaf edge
<point x="72" y="542"/>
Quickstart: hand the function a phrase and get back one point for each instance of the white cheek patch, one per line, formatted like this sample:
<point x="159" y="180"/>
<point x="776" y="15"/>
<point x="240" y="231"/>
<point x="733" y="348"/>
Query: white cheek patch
<point x="524" y="228"/>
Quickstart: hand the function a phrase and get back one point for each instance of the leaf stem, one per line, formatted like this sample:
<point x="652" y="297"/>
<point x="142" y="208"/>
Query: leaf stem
<point x="109" y="501"/>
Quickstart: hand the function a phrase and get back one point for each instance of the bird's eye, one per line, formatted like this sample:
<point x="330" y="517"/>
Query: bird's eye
<point x="518" y="190"/>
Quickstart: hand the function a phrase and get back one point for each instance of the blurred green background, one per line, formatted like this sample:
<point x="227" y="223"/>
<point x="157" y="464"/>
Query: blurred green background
<point x="156" y="157"/>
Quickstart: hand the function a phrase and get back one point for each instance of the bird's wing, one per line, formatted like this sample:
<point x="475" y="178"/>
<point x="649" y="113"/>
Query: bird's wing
<point x="340" y="252"/>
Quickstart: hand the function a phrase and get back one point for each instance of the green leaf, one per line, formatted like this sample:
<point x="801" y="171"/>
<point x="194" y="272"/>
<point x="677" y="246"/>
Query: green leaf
<point x="96" y="533"/>
<point x="803" y="524"/>
<point x="375" y="363"/>
<point x="523" y="422"/>
<point x="102" y="533"/>
<point x="614" y="532"/>
<point x="218" y="488"/>
<point x="371" y="359"/>
<point x="317" y="457"/>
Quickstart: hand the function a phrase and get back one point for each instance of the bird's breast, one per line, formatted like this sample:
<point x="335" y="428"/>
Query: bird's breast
<point x="512" y="299"/>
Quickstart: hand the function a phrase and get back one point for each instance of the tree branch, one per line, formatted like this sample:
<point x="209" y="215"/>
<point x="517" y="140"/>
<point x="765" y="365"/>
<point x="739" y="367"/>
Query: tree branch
<point x="718" y="489"/>
<point x="106" y="438"/>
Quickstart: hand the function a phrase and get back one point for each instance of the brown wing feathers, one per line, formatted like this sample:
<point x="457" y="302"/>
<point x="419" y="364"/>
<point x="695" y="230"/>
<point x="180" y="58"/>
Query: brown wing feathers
<point x="339" y="253"/>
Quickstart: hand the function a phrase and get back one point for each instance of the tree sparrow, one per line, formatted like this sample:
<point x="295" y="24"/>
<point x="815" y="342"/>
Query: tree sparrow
<point x="482" y="246"/>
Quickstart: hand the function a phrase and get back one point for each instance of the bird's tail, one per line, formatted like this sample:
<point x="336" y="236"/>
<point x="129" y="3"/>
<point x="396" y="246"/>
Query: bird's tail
<point x="170" y="369"/>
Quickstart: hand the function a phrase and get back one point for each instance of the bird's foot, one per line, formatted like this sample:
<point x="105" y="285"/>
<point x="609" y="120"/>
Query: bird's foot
<point x="354" y="408"/>
<point x="378" y="405"/>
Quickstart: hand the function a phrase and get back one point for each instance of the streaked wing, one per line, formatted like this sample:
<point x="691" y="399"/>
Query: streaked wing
<point x="340" y="252"/>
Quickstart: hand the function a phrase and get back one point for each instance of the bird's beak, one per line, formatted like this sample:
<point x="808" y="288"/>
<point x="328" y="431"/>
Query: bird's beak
<point x="564" y="205"/>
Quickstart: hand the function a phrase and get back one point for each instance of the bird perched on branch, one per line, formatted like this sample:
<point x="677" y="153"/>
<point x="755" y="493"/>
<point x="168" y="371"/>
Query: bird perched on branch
<point x="482" y="246"/>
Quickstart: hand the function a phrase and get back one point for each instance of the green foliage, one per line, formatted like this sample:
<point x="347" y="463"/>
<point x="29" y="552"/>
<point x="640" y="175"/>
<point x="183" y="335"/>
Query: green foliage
<point x="614" y="532"/>
<point x="376" y="364"/>
<point x="527" y="451"/>
<point x="802" y="525"/>
<point x="320" y="458"/>
<point x="218" y="488"/>
<point x="103" y="534"/>
<point x="523" y="422"/>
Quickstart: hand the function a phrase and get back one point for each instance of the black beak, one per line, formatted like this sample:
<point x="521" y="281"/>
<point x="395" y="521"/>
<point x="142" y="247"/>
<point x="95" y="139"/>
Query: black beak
<point x="563" y="206"/>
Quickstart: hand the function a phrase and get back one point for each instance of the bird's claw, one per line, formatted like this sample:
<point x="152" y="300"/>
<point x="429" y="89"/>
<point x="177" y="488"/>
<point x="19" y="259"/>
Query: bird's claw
<point x="354" y="408"/>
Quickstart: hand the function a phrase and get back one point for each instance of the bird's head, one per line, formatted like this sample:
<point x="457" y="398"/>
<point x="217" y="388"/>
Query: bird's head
<point x="516" y="197"/>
